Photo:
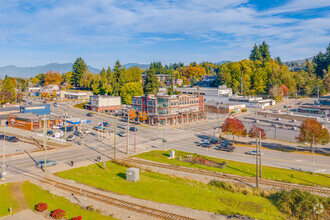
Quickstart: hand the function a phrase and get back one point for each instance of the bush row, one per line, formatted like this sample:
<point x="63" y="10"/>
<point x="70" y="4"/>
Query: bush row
<point x="57" y="213"/>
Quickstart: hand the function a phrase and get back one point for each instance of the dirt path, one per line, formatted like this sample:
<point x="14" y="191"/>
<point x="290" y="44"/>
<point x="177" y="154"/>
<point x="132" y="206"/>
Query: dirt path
<point x="18" y="194"/>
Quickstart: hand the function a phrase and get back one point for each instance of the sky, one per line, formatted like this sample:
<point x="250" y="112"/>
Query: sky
<point x="38" y="32"/>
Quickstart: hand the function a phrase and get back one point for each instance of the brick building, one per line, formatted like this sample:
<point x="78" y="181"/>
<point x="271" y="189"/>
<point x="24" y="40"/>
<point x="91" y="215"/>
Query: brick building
<point x="170" y="109"/>
<point x="31" y="121"/>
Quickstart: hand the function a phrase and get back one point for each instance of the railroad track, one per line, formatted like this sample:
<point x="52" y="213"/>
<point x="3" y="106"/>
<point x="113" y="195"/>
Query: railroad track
<point x="236" y="178"/>
<point x="113" y="201"/>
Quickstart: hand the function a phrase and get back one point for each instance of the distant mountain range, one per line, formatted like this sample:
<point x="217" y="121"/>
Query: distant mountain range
<point x="297" y="62"/>
<point x="142" y="66"/>
<point x="26" y="72"/>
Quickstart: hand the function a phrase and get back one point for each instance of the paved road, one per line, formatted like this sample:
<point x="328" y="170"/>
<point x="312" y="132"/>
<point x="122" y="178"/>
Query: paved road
<point x="180" y="139"/>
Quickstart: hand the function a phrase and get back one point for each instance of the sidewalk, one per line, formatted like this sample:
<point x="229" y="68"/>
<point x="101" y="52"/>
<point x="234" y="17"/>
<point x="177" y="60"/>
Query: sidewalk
<point x="278" y="145"/>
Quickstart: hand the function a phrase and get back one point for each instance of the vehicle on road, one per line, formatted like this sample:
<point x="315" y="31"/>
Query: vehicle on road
<point x="2" y="136"/>
<point x="70" y="138"/>
<point x="227" y="143"/>
<point x="57" y="126"/>
<point x="133" y="129"/>
<point x="11" y="139"/>
<point x="254" y="153"/>
<point x="30" y="103"/>
<point x="122" y="134"/>
<point x="122" y="126"/>
<point x="45" y="102"/>
<point x="226" y="148"/>
<point x="205" y="144"/>
<point x="89" y="114"/>
<point x="49" y="163"/>
<point x="96" y="128"/>
<point x="50" y="133"/>
<point x="56" y="104"/>
<point x="86" y="131"/>
<point x="105" y="124"/>
<point x="214" y="140"/>
<point x="78" y="133"/>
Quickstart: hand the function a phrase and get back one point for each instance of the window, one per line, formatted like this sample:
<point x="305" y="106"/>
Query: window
<point x="162" y="102"/>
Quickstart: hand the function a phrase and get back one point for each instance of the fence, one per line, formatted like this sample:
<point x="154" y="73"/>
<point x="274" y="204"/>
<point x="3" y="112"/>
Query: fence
<point x="52" y="138"/>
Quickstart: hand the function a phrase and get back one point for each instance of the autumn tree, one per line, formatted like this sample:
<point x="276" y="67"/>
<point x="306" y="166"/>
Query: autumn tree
<point x="132" y="114"/>
<point x="19" y="96"/>
<point x="9" y="85"/>
<point x="53" y="94"/>
<point x="34" y="80"/>
<point x="235" y="127"/>
<point x="78" y="69"/>
<point x="313" y="131"/>
<point x="6" y="96"/>
<point x="143" y="116"/>
<point x="52" y="78"/>
<point x="255" y="131"/>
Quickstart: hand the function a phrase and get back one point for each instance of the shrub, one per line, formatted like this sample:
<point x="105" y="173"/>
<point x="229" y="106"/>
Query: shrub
<point x="77" y="218"/>
<point x="244" y="110"/>
<point x="301" y="204"/>
<point x="40" y="207"/>
<point x="58" y="213"/>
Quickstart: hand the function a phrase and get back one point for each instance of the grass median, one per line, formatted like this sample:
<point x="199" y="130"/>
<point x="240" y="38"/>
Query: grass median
<point x="243" y="169"/>
<point x="8" y="200"/>
<point x="173" y="190"/>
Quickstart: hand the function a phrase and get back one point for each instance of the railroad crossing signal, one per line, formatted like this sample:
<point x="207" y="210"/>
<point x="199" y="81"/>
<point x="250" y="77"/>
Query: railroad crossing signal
<point x="164" y="141"/>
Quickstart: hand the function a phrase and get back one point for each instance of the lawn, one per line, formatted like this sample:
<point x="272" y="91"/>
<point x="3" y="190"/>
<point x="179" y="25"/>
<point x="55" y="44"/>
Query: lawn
<point x="80" y="105"/>
<point x="7" y="200"/>
<point x="173" y="190"/>
<point x="243" y="169"/>
<point x="34" y="194"/>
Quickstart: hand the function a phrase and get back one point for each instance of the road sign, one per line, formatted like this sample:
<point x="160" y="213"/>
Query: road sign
<point x="101" y="126"/>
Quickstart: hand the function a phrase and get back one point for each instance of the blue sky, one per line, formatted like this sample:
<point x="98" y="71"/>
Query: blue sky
<point x="39" y="32"/>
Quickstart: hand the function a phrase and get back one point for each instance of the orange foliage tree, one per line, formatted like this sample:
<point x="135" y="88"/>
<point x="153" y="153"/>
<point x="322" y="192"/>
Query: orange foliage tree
<point x="52" y="78"/>
<point x="234" y="126"/>
<point x="132" y="114"/>
<point x="143" y="116"/>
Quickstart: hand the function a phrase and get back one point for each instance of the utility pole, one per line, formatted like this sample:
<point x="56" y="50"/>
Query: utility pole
<point x="115" y="135"/>
<point x="165" y="136"/>
<point x="127" y="137"/>
<point x="134" y="140"/>
<point x="65" y="134"/>
<point x="318" y="92"/>
<point x="260" y="166"/>
<point x="218" y="119"/>
<point x="241" y="85"/>
<point x="45" y="143"/>
<point x="313" y="156"/>
<point x="3" y="174"/>
<point x="257" y="173"/>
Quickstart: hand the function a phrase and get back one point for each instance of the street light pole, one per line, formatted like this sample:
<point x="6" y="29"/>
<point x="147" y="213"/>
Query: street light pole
<point x="257" y="161"/>
<point x="313" y="156"/>
<point x="65" y="134"/>
<point x="260" y="168"/>
<point x="218" y="120"/>
<point x="127" y="138"/>
<point x="115" y="140"/>
<point x="135" y="141"/>
<point x="3" y="174"/>
<point x="45" y="142"/>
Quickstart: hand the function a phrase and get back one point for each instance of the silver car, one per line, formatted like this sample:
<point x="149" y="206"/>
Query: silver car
<point x="254" y="153"/>
<point x="49" y="163"/>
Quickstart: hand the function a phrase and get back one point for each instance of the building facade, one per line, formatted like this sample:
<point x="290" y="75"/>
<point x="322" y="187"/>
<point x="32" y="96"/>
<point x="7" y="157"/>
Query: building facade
<point x="101" y="103"/>
<point x="31" y="121"/>
<point x="36" y="109"/>
<point x="170" y="109"/>
<point x="207" y="91"/>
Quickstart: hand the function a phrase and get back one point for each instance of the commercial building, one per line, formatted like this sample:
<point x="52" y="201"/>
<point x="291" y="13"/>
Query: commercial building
<point x="31" y="121"/>
<point x="36" y="109"/>
<point x="4" y="112"/>
<point x="102" y="103"/>
<point x="224" y="108"/>
<point x="170" y="109"/>
<point x="75" y="95"/>
<point x="207" y="91"/>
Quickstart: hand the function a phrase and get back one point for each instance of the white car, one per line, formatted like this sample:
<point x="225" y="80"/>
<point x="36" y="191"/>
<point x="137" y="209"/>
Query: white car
<point x="203" y="141"/>
<point x="254" y="153"/>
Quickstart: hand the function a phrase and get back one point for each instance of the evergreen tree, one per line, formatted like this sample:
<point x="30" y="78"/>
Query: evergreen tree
<point x="151" y="84"/>
<point x="117" y="79"/>
<point x="320" y="64"/>
<point x="278" y="60"/>
<point x="78" y="69"/>
<point x="264" y="51"/>
<point x="255" y="53"/>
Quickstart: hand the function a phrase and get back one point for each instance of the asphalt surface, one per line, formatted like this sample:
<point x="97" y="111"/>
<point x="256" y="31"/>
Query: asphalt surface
<point x="150" y="138"/>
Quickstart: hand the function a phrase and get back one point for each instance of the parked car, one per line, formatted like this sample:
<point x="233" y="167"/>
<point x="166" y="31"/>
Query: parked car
<point x="133" y="129"/>
<point x="205" y="144"/>
<point x="90" y="114"/>
<point x="122" y="134"/>
<point x="11" y="139"/>
<point x="106" y="124"/>
<point x="50" y="133"/>
<point x="70" y="138"/>
<point x="254" y="153"/>
<point x="44" y="102"/>
<point x="203" y="141"/>
<point x="86" y="131"/>
<point x="57" y="126"/>
<point x="2" y="136"/>
<point x="30" y="103"/>
<point x="96" y="128"/>
<point x="56" y="104"/>
<point x="78" y="133"/>
<point x="49" y="163"/>
<point x="214" y="140"/>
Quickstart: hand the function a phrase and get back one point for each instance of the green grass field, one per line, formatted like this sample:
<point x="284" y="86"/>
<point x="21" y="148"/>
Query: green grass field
<point x="34" y="194"/>
<point x="243" y="169"/>
<point x="163" y="188"/>
<point x="7" y="200"/>
<point x="80" y="105"/>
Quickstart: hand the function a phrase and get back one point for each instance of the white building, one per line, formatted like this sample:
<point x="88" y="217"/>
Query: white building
<point x="207" y="91"/>
<point x="101" y="103"/>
